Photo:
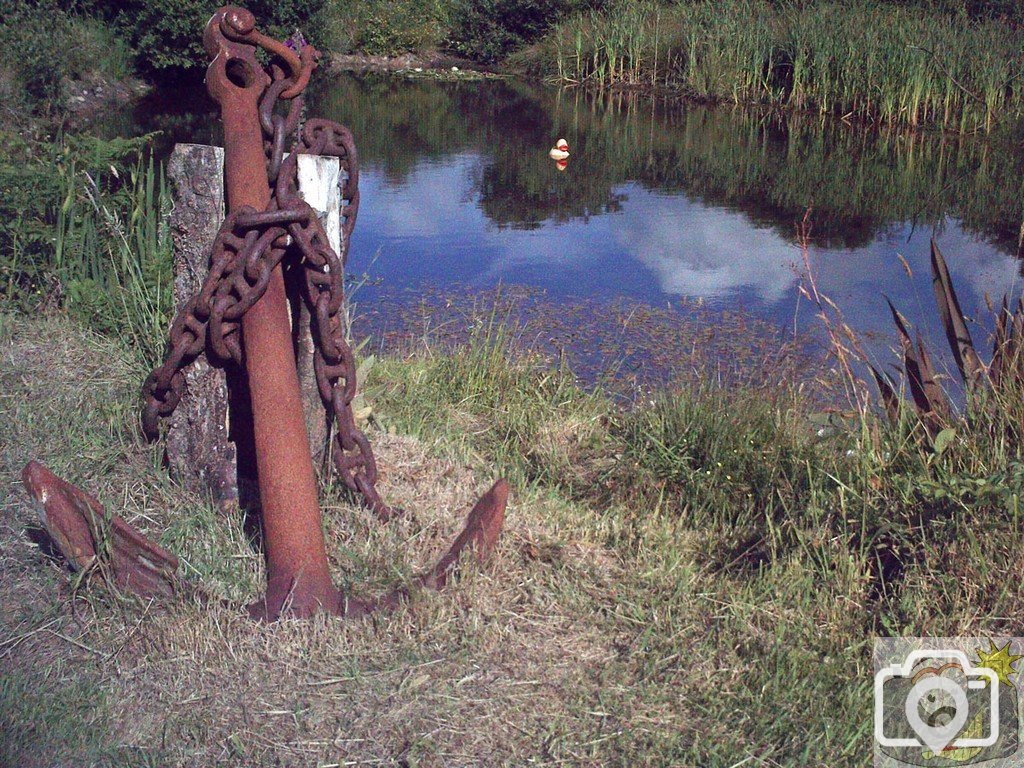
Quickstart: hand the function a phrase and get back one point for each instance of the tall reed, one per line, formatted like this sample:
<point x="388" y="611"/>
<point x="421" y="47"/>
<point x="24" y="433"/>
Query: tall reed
<point x="112" y="251"/>
<point x="858" y="60"/>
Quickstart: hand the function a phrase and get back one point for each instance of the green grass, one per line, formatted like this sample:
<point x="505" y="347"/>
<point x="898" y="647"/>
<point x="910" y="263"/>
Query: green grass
<point x="85" y="229"/>
<point x="761" y="551"/>
<point x="56" y="715"/>
<point x="760" y="472"/>
<point x="112" y="252"/>
<point x="863" y="60"/>
<point x="529" y="424"/>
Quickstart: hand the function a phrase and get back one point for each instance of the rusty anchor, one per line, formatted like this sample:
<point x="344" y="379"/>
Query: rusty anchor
<point x="241" y="314"/>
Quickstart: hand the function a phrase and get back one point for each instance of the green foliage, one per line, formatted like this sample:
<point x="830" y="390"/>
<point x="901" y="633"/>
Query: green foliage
<point x="83" y="226"/>
<point x="1009" y="10"/>
<point x="113" y="250"/>
<point x="166" y="35"/>
<point x="282" y="17"/>
<point x="42" y="46"/>
<point x="99" y="48"/>
<point x="390" y="27"/>
<point x="491" y="29"/>
<point x="35" y="38"/>
<point x="29" y="195"/>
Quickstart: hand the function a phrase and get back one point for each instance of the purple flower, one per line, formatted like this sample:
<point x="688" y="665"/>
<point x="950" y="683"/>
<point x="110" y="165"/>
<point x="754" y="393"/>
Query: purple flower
<point x="296" y="42"/>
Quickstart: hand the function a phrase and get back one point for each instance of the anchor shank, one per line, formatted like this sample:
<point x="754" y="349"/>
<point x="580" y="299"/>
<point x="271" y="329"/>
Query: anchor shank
<point x="298" y="576"/>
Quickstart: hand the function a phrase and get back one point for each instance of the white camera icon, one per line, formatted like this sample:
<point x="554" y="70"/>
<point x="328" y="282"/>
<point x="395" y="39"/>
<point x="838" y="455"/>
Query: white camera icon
<point x="938" y="691"/>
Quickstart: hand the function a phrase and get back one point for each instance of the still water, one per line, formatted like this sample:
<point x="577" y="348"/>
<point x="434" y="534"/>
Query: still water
<point x="662" y="204"/>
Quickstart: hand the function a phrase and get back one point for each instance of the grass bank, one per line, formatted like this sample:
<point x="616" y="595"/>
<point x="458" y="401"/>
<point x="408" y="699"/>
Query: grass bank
<point x="864" y="60"/>
<point x="683" y="582"/>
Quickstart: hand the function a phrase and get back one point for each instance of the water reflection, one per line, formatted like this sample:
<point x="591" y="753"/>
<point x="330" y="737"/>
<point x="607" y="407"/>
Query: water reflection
<point x="664" y="201"/>
<point x="768" y="166"/>
<point x="660" y="201"/>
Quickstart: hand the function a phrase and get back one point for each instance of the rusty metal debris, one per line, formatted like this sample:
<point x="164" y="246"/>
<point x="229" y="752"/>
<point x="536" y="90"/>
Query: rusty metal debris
<point x="480" y="531"/>
<point x="241" y="315"/>
<point x="91" y="541"/>
<point x="94" y="542"/>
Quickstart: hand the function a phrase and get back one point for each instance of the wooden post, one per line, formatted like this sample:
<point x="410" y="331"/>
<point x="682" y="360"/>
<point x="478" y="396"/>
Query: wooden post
<point x="319" y="186"/>
<point x="200" y="450"/>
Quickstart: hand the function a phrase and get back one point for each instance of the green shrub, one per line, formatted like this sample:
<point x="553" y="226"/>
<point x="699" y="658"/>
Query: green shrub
<point x="35" y="46"/>
<point x="166" y="35"/>
<point x="390" y="27"/>
<point x="491" y="29"/>
<point x="42" y="46"/>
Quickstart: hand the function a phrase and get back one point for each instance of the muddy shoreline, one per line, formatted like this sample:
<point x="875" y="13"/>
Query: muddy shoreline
<point x="85" y="99"/>
<point x="427" y="63"/>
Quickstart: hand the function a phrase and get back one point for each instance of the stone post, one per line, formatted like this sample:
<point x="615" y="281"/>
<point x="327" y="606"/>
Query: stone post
<point x="199" y="452"/>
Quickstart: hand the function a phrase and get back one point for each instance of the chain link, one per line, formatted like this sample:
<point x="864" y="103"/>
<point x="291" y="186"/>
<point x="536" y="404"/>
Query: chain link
<point x="248" y="247"/>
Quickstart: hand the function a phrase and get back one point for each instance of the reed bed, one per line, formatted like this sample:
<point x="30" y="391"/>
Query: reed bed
<point x="112" y="249"/>
<point x="860" y="60"/>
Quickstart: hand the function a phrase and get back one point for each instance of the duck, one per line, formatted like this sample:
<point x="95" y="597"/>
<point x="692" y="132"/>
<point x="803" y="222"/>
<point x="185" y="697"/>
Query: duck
<point x="560" y="151"/>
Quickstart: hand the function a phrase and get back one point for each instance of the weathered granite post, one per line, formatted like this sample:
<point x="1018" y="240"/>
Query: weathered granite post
<point x="200" y="454"/>
<point x="200" y="444"/>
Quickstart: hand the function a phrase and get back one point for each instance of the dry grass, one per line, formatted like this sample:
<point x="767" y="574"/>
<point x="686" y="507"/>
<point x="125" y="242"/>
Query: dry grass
<point x="510" y="666"/>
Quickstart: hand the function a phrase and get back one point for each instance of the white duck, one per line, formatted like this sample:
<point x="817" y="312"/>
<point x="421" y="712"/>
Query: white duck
<point x="560" y="151"/>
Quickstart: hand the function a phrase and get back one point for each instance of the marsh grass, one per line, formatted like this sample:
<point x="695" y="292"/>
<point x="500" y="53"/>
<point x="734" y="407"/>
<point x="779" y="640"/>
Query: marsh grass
<point x="85" y="230"/>
<point x="529" y="416"/>
<point x="863" y="60"/>
<point x="112" y="251"/>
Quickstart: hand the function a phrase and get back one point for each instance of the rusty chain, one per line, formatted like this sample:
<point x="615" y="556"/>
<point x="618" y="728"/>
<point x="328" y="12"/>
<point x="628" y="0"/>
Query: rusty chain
<point x="249" y="245"/>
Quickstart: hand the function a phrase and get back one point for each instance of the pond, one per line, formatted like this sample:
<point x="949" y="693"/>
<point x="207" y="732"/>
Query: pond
<point x="663" y="205"/>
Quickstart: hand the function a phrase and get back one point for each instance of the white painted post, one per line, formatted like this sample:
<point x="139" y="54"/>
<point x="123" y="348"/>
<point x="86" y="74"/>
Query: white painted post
<point x="318" y="185"/>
